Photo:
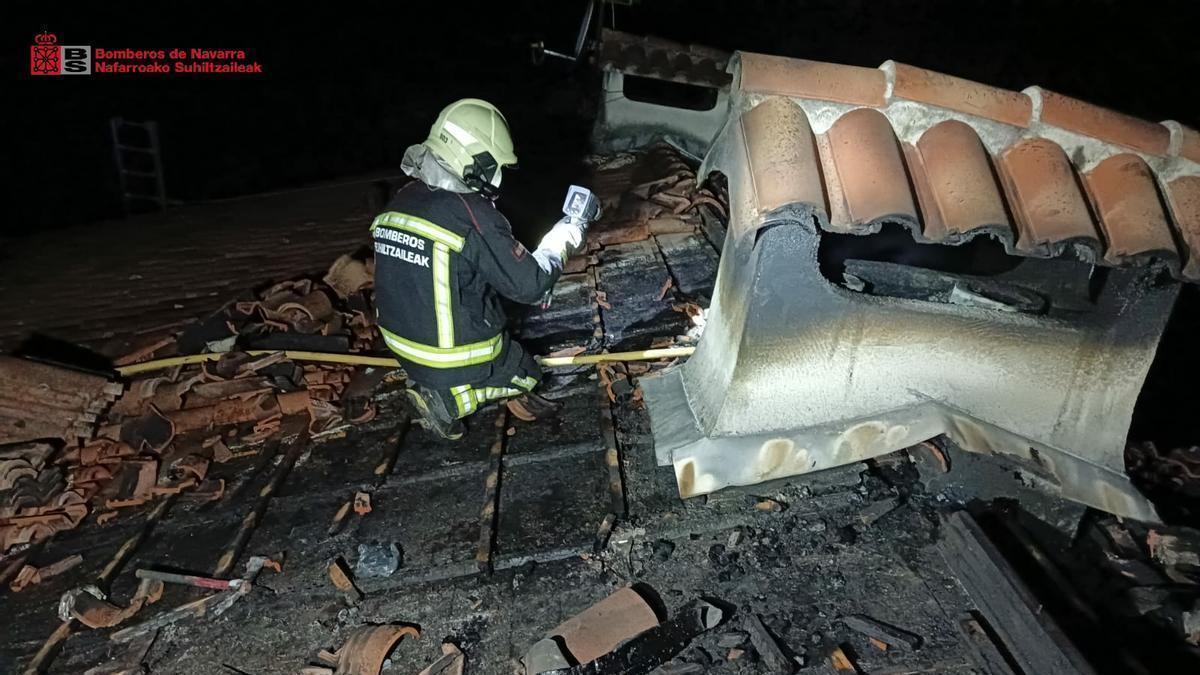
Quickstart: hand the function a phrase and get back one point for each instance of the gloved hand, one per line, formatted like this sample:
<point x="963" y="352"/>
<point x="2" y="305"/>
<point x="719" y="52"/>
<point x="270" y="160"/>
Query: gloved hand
<point x="581" y="224"/>
<point x="564" y="238"/>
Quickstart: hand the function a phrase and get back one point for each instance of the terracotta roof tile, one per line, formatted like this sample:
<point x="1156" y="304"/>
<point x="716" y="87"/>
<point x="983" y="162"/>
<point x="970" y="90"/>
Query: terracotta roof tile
<point x="1039" y="191"/>
<point x="956" y="185"/>
<point x="1185" y="141"/>
<point x="865" y="172"/>
<point x="1131" y="213"/>
<point x="1102" y="123"/>
<point x="812" y="79"/>
<point x="946" y="91"/>
<point x="1046" y="198"/>
<point x="783" y="155"/>
<point x="1183" y="194"/>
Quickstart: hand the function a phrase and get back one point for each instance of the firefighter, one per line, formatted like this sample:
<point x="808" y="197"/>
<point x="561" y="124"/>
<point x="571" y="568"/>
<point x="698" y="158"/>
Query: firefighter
<point x="443" y="258"/>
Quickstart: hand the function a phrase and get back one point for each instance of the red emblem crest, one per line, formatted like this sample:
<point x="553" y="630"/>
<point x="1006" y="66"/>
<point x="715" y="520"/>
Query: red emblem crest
<point x="44" y="55"/>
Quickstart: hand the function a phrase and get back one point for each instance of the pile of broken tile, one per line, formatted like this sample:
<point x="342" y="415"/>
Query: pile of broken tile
<point x="168" y="426"/>
<point x="39" y="401"/>
<point x="662" y="195"/>
<point x="1153" y="572"/>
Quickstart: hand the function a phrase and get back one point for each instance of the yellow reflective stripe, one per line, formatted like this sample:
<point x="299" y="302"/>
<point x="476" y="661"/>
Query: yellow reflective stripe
<point x="525" y="383"/>
<point x="460" y="134"/>
<point x="441" y="295"/>
<point x="492" y="393"/>
<point x="439" y="357"/>
<point x="467" y="398"/>
<point x="419" y="226"/>
<point x="464" y="399"/>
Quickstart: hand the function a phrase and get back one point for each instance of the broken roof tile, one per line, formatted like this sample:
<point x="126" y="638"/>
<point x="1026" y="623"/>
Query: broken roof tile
<point x="1097" y="122"/>
<point x="947" y="91"/>
<point x="765" y="74"/>
<point x="1131" y="213"/>
<point x="958" y="190"/>
<point x="1047" y="203"/>
<point x="865" y="172"/>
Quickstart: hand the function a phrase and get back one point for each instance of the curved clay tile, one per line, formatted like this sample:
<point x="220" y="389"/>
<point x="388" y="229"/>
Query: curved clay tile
<point x="1184" y="196"/>
<point x="1131" y="214"/>
<point x="1046" y="198"/>
<point x="765" y="74"/>
<point x="955" y="184"/>
<point x="865" y="172"/>
<point x="782" y="152"/>
<point x="1102" y="123"/>
<point x="955" y="93"/>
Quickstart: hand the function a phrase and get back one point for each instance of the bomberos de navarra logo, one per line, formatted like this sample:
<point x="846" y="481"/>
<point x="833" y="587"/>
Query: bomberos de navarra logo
<point x="190" y="60"/>
<point x="47" y="57"/>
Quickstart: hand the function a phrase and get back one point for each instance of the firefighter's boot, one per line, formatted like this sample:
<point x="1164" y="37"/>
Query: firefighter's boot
<point x="434" y="415"/>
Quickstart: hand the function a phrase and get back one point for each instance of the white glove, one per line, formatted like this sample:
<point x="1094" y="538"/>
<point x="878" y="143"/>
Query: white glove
<point x="562" y="239"/>
<point x="548" y="260"/>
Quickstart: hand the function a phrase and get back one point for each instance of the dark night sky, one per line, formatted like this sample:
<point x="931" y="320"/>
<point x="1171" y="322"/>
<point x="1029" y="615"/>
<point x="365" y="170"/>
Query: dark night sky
<point x="349" y="86"/>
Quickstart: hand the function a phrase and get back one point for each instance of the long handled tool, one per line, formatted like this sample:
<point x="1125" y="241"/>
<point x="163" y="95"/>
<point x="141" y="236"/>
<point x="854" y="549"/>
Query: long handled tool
<point x="192" y="580"/>
<point x="210" y="605"/>
<point x="389" y="362"/>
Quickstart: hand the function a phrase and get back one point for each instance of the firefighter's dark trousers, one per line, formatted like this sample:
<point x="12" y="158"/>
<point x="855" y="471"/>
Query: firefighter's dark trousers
<point x="515" y="373"/>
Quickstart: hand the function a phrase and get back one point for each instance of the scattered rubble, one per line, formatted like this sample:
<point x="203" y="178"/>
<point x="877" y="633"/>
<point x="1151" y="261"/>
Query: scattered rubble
<point x="339" y="574"/>
<point x="1178" y="551"/>
<point x="876" y="510"/>
<point x="364" y="652"/>
<point x="378" y="559"/>
<point x="592" y="633"/>
<point x="30" y="575"/>
<point x="663" y="196"/>
<point x="773" y="656"/>
<point x="452" y="662"/>
<point x="654" y="646"/>
<point x="130" y="662"/>
<point x="362" y="503"/>
<point x="884" y="633"/>
<point x="91" y="607"/>
<point x="165" y="427"/>
<point x="841" y="662"/>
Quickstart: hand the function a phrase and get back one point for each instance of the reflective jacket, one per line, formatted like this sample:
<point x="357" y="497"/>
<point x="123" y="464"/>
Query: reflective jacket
<point x="442" y="259"/>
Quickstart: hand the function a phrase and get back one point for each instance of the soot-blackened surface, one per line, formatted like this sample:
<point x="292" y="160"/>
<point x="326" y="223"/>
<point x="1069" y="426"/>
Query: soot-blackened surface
<point x="801" y="563"/>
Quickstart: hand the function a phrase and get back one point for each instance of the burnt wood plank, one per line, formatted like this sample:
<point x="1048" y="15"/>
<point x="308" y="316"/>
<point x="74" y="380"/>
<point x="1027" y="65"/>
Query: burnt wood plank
<point x="1032" y="638"/>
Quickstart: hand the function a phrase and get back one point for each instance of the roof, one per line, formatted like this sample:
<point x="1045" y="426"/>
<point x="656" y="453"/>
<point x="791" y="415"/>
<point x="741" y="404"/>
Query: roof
<point x="649" y="56"/>
<point x="116" y="284"/>
<point x="952" y="159"/>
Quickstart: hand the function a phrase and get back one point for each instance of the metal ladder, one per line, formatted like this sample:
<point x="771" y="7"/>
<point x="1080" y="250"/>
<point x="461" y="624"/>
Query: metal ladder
<point x="139" y="166"/>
